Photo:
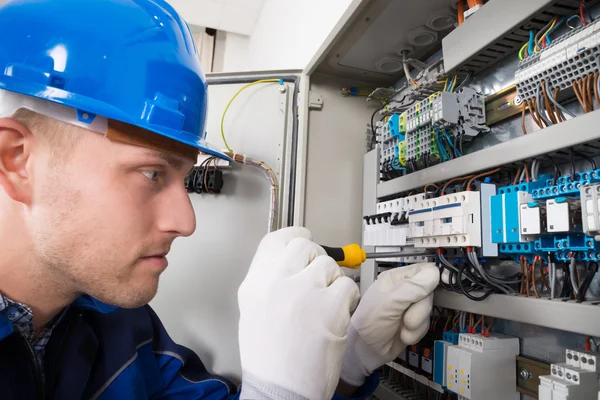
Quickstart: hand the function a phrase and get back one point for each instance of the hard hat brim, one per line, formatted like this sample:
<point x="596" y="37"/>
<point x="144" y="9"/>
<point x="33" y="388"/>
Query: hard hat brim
<point x="96" y="107"/>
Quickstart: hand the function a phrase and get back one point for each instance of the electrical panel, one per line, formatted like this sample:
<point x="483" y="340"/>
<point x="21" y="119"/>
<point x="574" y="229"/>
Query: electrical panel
<point x="499" y="140"/>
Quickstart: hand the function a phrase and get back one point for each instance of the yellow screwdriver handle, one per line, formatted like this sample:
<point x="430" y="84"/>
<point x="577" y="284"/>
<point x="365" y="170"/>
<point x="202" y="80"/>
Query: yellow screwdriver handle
<point x="350" y="256"/>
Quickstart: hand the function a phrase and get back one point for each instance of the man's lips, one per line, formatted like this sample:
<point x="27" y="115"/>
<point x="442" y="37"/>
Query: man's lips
<point x="158" y="259"/>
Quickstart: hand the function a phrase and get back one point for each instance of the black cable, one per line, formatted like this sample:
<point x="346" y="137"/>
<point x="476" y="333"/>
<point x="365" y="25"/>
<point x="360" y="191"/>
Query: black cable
<point x="556" y="169"/>
<point x="592" y="269"/>
<point x="566" y="289"/>
<point x="456" y="143"/>
<point x="587" y="158"/>
<point x="572" y="154"/>
<point x="466" y="293"/>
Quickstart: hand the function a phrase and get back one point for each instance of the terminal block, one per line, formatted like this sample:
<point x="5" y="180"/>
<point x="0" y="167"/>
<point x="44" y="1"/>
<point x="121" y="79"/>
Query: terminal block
<point x="570" y="57"/>
<point x="572" y="380"/>
<point x="461" y="113"/>
<point x="448" y="221"/>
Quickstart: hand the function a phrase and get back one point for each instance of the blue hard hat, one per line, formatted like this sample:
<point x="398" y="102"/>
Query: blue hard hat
<point x="133" y="61"/>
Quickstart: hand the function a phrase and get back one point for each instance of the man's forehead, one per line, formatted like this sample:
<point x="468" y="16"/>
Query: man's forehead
<point x="133" y="135"/>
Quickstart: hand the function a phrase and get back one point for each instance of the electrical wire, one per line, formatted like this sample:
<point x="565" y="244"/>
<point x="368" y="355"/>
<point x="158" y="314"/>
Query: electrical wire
<point x="587" y="158"/>
<point x="556" y="169"/>
<point x="531" y="108"/>
<point x="523" y="110"/>
<point x="538" y="36"/>
<point x="556" y="103"/>
<point x="592" y="269"/>
<point x="231" y="101"/>
<point x="496" y="283"/>
<point x="547" y="36"/>
<point x="271" y="177"/>
<point x="460" y="6"/>
<point x="531" y="44"/>
<point x="581" y="15"/>
<point x="487" y="173"/>
<point x="572" y="266"/>
<point x="571" y="18"/>
<point x="407" y="70"/>
<point x="540" y="105"/>
<point x="575" y="85"/>
<point x="548" y="104"/>
<point x="460" y="179"/>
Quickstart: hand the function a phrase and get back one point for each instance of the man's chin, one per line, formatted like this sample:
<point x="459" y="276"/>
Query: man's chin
<point x="130" y="297"/>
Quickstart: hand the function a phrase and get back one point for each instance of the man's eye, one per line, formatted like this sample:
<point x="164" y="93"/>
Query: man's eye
<point x="151" y="174"/>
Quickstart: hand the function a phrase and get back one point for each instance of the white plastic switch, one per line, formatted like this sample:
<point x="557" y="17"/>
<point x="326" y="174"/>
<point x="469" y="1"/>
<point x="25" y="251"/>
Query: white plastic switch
<point x="389" y="227"/>
<point x="449" y="221"/>
<point x="478" y="366"/>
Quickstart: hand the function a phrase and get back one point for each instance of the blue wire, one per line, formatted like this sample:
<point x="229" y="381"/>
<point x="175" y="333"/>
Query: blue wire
<point x="395" y="160"/>
<point x="552" y="30"/>
<point x="531" y="42"/>
<point x="441" y="148"/>
<point x="449" y="140"/>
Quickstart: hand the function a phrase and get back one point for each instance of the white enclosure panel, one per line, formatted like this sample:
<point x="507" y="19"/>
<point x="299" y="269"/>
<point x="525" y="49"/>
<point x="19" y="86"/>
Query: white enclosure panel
<point x="337" y="140"/>
<point x="197" y="298"/>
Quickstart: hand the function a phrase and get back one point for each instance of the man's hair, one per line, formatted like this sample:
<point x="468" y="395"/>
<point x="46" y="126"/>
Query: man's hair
<point x="58" y="136"/>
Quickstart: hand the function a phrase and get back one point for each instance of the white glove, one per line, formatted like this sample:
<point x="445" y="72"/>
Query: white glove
<point x="393" y="314"/>
<point x="295" y="307"/>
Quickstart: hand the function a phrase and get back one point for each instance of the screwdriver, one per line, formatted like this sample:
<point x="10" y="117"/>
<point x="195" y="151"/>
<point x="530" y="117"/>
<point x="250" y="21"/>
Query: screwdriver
<point x="352" y="255"/>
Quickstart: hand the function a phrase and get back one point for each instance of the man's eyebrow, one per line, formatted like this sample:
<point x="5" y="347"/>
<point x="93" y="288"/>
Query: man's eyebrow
<point x="171" y="159"/>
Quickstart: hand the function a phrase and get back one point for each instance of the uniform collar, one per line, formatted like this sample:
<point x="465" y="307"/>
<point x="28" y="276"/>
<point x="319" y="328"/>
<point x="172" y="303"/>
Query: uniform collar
<point x="86" y="302"/>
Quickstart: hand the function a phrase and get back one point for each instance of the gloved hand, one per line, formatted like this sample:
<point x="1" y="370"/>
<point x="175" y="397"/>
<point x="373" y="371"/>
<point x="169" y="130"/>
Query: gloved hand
<point x="295" y="307"/>
<point x="393" y="314"/>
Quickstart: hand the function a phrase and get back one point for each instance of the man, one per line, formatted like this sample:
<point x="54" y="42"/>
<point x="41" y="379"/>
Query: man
<point x="102" y="107"/>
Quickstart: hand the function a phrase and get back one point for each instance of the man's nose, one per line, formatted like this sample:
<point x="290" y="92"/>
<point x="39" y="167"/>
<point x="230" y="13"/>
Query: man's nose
<point x="177" y="214"/>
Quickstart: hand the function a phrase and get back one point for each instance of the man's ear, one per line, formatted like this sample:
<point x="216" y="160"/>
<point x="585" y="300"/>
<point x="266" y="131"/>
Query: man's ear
<point x="16" y="143"/>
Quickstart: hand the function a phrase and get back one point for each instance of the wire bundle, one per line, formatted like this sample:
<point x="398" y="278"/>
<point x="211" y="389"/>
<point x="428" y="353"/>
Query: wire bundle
<point x="540" y="40"/>
<point x="470" y="276"/>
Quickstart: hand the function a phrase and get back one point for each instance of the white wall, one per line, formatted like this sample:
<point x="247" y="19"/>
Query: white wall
<point x="237" y="16"/>
<point x="289" y="32"/>
<point x="231" y="52"/>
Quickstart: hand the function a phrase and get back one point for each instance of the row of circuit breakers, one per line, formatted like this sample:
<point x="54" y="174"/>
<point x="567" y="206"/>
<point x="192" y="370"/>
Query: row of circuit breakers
<point x="558" y="216"/>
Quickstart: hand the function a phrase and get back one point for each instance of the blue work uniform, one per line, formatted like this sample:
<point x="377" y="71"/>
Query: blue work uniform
<point x="99" y="352"/>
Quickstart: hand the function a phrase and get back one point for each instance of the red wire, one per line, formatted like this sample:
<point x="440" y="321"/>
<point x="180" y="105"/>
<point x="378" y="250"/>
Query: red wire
<point x="583" y="21"/>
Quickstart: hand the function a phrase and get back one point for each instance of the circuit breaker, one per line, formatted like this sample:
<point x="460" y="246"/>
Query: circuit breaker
<point x="452" y="220"/>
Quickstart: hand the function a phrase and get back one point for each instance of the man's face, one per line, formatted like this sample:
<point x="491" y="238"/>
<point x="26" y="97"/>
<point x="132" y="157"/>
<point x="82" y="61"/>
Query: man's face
<point x="104" y="217"/>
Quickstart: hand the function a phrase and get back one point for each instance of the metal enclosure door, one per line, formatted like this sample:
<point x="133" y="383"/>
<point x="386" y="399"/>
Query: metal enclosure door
<point x="197" y="297"/>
